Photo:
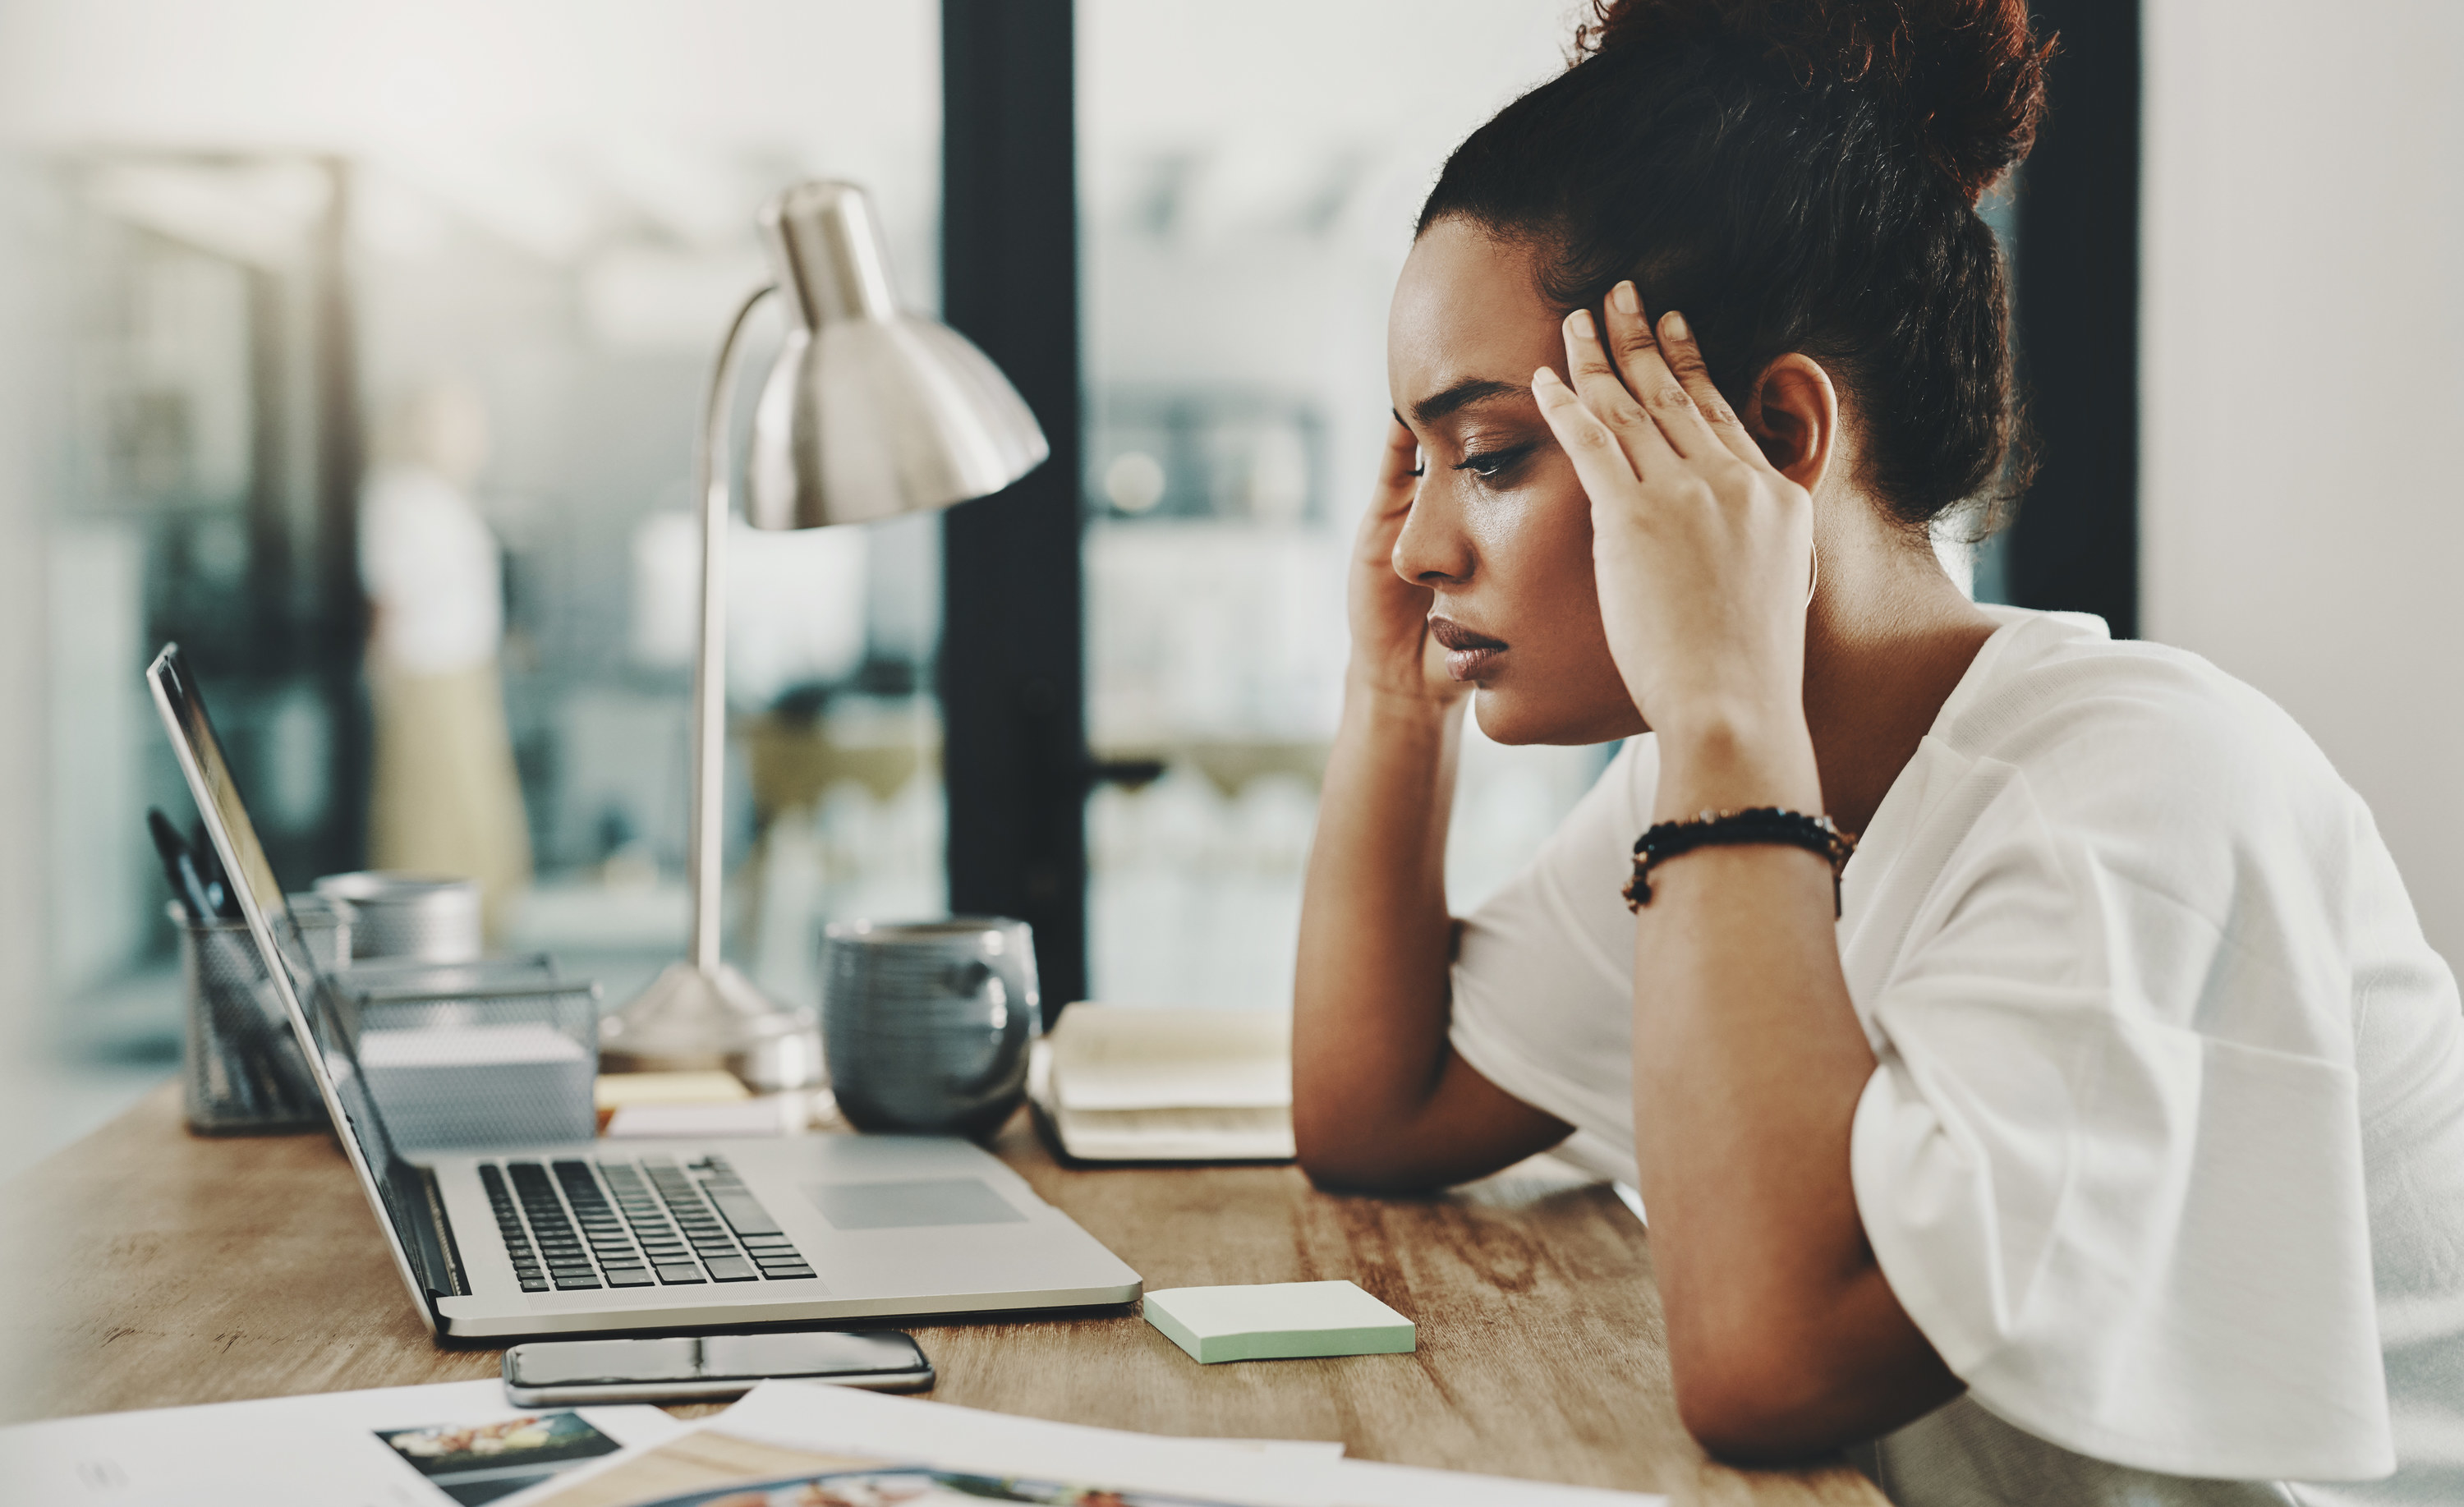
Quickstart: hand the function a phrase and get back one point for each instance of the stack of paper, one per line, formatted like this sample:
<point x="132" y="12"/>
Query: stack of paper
<point x="440" y="1087"/>
<point x="1278" y="1322"/>
<point x="794" y="1444"/>
<point x="440" y="1445"/>
<point x="1138" y="1083"/>
<point x="788" y="1444"/>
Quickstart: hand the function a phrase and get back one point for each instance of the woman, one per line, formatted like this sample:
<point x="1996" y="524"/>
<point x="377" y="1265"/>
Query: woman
<point x="2097" y="1134"/>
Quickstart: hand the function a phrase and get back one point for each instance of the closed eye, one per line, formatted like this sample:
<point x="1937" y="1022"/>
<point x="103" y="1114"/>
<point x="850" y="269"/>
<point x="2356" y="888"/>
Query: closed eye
<point x="1490" y="464"/>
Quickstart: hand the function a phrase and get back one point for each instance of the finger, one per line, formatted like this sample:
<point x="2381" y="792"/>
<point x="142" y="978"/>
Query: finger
<point x="1597" y="451"/>
<point x="1596" y="384"/>
<point x="1399" y="487"/>
<point x="1399" y="468"/>
<point x="1647" y="375"/>
<point x="1685" y="356"/>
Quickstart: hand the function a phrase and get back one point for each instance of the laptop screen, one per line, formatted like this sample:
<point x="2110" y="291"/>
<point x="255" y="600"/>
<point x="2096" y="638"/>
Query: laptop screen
<point x="306" y="994"/>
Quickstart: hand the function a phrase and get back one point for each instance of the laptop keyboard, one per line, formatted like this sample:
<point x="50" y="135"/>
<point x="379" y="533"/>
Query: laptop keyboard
<point x="570" y="1225"/>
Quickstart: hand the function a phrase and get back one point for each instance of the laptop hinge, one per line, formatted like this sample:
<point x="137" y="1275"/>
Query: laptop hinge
<point x="432" y="1248"/>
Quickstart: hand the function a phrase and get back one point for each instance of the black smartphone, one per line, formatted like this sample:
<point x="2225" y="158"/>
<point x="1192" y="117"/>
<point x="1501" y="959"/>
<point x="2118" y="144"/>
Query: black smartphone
<point x="708" y="1367"/>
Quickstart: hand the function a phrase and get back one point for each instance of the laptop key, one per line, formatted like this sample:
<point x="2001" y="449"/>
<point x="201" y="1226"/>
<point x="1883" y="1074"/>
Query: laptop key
<point x="731" y="1269"/>
<point x="629" y="1276"/>
<point x="745" y="1214"/>
<point x="568" y="1284"/>
<point x="534" y="1284"/>
<point x="675" y="1272"/>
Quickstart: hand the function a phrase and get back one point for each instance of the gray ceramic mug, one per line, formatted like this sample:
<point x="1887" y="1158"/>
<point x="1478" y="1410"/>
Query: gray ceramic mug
<point x="926" y="1024"/>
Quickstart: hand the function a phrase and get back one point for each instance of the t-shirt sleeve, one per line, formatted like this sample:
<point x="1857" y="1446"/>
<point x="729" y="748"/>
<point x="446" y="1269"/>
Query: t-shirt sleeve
<point x="1542" y="991"/>
<point x="2109" y="1160"/>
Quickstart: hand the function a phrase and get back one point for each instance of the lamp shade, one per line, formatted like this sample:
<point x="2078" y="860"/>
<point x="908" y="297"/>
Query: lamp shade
<point x="870" y="410"/>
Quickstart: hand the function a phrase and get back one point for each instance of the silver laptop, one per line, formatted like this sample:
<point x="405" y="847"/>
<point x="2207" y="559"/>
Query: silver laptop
<point x="609" y="1237"/>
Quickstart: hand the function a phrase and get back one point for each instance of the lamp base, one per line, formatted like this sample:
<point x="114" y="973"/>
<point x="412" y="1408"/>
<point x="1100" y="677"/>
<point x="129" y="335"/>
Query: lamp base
<point x="691" y="1020"/>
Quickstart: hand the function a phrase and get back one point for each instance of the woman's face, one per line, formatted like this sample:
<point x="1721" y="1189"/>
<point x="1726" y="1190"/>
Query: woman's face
<point x="1500" y="530"/>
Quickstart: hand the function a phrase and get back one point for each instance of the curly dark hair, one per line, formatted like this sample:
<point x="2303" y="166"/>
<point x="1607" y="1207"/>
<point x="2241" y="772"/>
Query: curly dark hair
<point x="1795" y="175"/>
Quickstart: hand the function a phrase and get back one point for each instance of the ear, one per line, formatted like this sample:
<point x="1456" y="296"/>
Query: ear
<point x="1793" y="414"/>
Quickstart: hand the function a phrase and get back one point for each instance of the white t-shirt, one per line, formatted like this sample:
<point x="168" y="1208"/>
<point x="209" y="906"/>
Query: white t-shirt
<point x="2165" y="1147"/>
<point x="432" y="565"/>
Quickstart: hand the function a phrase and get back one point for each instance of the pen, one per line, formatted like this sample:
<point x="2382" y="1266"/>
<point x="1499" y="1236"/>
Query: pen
<point x="179" y="867"/>
<point x="239" y="1064"/>
<point x="209" y="869"/>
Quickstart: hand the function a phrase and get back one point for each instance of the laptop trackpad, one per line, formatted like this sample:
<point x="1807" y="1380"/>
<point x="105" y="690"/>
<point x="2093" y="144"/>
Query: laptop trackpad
<point x="909" y="1206"/>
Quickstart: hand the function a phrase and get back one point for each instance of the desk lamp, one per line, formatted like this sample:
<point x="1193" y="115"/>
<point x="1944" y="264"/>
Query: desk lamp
<point x="870" y="411"/>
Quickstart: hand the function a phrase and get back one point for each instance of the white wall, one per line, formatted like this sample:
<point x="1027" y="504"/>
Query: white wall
<point x="2303" y="387"/>
<point x="22" y="856"/>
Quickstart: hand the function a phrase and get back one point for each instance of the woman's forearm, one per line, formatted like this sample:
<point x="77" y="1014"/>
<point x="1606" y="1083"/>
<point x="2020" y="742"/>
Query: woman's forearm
<point x="1379" y="1098"/>
<point x="1369" y="1003"/>
<point x="1748" y="1063"/>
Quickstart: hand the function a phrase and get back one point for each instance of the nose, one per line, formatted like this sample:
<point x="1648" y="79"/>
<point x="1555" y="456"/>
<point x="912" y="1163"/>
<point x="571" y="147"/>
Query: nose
<point x="1433" y="549"/>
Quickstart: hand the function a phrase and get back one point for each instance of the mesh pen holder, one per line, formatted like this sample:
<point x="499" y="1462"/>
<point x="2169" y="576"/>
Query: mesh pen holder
<point x="242" y="1071"/>
<point x="500" y="1052"/>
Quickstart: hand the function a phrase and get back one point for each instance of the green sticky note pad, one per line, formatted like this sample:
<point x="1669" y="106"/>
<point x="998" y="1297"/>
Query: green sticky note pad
<point x="1278" y="1322"/>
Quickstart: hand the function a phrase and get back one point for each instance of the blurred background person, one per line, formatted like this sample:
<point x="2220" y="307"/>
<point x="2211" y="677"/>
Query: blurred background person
<point x="444" y="795"/>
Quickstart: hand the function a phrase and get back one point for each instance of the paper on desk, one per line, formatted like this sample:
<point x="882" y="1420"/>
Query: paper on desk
<point x="772" y="1114"/>
<point x="467" y="1047"/>
<point x="457" y="1442"/>
<point x="787" y="1434"/>
<point x="616" y="1090"/>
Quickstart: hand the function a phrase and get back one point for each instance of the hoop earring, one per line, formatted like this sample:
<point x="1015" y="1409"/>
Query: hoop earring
<point x="1814" y="574"/>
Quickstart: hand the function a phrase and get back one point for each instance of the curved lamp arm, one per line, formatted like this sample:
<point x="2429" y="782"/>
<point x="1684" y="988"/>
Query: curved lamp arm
<point x="711" y="472"/>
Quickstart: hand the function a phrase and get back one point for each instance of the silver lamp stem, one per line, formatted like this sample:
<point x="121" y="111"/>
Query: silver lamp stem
<point x="700" y="1012"/>
<point x="932" y="422"/>
<point x="708" y="829"/>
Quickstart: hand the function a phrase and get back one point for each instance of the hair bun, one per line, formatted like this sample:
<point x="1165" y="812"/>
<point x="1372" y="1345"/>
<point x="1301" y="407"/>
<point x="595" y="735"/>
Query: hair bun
<point x="1966" y="77"/>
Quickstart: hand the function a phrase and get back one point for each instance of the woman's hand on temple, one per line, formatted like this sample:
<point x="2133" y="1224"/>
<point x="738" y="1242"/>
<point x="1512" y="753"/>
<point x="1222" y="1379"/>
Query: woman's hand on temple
<point x="1392" y="655"/>
<point x="1702" y="549"/>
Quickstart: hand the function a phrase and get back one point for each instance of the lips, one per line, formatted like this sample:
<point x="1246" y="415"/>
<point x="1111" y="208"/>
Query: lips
<point x="1467" y="653"/>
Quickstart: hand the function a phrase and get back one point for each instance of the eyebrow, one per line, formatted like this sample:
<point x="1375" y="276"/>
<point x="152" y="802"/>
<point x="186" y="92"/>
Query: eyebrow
<point x="1470" y="390"/>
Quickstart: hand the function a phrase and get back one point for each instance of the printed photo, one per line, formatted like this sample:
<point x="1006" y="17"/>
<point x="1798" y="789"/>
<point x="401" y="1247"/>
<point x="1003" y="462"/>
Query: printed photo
<point x="479" y="1462"/>
<point x="918" y="1486"/>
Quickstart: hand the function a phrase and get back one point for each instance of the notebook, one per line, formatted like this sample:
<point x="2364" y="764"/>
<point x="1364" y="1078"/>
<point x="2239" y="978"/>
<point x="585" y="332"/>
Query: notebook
<point x="1163" y="1083"/>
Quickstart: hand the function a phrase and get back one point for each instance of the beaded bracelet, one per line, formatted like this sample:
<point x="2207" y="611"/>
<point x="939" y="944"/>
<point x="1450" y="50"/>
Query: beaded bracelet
<point x="1756" y="826"/>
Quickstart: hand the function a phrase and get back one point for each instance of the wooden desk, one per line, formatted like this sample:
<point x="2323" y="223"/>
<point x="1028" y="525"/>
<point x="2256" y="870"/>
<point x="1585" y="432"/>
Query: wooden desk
<point x="161" y="1268"/>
